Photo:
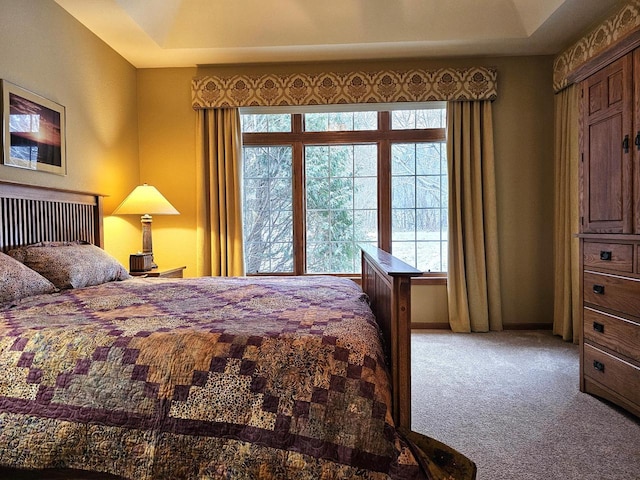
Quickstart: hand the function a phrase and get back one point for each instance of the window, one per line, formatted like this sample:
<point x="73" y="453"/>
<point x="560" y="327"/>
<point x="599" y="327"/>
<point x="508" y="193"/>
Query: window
<point x="318" y="185"/>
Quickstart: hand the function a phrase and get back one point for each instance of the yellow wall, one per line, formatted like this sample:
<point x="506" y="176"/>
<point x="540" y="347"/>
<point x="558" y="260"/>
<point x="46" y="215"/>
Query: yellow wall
<point x="523" y="122"/>
<point x="45" y="50"/>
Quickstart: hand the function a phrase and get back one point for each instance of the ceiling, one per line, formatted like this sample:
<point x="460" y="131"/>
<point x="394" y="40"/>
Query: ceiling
<point x="179" y="33"/>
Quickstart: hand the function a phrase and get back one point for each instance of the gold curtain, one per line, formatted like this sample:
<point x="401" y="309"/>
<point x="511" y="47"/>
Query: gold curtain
<point x="474" y="278"/>
<point x="218" y="193"/>
<point x="566" y="311"/>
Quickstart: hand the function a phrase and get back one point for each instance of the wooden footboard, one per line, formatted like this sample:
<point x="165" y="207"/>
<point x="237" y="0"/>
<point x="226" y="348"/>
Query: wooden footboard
<point x="387" y="282"/>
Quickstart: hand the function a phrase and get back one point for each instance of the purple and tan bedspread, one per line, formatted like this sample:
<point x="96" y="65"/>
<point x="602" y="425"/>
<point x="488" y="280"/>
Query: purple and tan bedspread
<point x="202" y="378"/>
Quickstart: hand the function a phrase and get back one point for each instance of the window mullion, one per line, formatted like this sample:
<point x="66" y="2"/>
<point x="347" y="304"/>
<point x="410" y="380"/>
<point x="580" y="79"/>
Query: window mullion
<point x="299" y="210"/>
<point x="384" y="183"/>
<point x="296" y="123"/>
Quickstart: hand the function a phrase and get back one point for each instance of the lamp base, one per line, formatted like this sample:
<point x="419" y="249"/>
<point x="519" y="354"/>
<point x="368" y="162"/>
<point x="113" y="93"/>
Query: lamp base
<point x="147" y="242"/>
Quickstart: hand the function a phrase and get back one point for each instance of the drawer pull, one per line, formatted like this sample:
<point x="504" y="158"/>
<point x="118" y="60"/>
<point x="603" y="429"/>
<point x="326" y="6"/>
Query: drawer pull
<point x="605" y="256"/>
<point x="598" y="289"/>
<point x="598" y="366"/>
<point x="598" y="327"/>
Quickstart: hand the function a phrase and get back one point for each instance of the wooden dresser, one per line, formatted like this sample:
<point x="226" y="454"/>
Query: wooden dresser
<point x="610" y="347"/>
<point x="610" y="232"/>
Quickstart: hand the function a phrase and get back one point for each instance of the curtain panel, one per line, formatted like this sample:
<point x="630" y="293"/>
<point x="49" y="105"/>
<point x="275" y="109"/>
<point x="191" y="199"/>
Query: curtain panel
<point x="567" y="308"/>
<point x="218" y="193"/>
<point x="300" y="89"/>
<point x="473" y="285"/>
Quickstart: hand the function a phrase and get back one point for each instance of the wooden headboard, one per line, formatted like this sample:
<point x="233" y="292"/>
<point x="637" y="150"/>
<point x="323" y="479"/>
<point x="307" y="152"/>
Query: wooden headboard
<point x="30" y="214"/>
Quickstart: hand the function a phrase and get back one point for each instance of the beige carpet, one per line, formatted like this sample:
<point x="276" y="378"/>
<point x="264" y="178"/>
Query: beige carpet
<point x="510" y="402"/>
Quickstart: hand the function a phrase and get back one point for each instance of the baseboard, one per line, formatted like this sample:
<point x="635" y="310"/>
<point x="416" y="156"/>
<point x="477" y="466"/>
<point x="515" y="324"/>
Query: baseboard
<point x="510" y="326"/>
<point x="429" y="326"/>
<point x="528" y="326"/>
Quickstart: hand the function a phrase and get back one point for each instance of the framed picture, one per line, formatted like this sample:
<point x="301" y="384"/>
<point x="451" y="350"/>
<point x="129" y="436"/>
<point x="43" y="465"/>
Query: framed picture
<point x="33" y="131"/>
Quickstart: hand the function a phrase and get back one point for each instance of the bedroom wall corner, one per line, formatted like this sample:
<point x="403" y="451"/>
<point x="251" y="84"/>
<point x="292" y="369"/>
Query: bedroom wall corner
<point x="166" y="123"/>
<point x="47" y="51"/>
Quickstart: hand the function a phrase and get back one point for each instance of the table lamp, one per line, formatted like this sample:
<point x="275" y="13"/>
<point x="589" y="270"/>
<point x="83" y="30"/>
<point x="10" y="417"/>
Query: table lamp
<point x="146" y="200"/>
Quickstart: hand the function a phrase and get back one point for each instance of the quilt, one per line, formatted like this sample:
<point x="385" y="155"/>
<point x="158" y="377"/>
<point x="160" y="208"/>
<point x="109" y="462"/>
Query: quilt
<point x="206" y="378"/>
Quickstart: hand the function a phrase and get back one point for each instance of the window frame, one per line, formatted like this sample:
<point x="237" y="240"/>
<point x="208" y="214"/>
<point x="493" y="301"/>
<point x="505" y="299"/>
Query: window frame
<point x="384" y="137"/>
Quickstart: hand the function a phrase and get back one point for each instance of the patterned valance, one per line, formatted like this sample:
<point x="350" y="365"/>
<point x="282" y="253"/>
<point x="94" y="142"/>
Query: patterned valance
<point x="299" y="89"/>
<point x="616" y="27"/>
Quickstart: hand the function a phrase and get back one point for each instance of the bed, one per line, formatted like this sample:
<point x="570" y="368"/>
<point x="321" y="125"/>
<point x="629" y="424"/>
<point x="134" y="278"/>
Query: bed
<point x="277" y="377"/>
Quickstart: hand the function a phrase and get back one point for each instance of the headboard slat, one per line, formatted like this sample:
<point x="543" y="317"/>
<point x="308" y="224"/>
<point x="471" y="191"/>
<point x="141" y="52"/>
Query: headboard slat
<point x="30" y="214"/>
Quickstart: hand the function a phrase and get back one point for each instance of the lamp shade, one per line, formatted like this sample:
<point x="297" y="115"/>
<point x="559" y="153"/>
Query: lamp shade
<point x="145" y="200"/>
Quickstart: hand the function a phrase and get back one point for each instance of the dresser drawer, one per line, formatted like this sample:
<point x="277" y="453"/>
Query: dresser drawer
<point x="615" y="374"/>
<point x="615" y="333"/>
<point x="614" y="292"/>
<point x="612" y="256"/>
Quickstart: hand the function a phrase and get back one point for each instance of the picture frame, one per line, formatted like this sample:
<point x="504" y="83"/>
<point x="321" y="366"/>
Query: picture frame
<point x="33" y="131"/>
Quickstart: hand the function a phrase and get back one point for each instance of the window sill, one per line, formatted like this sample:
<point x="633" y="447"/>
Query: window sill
<point x="430" y="279"/>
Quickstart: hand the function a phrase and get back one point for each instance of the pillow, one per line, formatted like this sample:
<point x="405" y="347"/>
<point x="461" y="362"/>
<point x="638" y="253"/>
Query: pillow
<point x="71" y="264"/>
<point x="18" y="281"/>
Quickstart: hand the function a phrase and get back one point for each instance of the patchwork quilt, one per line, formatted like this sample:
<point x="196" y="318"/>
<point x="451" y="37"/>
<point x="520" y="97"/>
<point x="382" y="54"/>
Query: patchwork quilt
<point x="207" y="378"/>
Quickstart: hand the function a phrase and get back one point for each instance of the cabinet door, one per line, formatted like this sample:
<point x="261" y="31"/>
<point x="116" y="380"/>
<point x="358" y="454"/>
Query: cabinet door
<point x="607" y="144"/>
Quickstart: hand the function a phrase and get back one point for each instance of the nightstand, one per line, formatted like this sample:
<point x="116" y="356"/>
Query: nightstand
<point x="160" y="272"/>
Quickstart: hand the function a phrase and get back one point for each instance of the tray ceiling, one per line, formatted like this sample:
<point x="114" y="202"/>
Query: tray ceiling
<point x="177" y="33"/>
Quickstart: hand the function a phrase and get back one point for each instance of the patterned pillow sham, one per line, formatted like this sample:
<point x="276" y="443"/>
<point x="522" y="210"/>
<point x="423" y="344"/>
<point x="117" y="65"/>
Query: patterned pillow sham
<point x="71" y="264"/>
<point x="19" y="281"/>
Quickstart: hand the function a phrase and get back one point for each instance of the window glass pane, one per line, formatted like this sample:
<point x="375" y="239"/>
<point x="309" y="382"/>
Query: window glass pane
<point x="317" y="162"/>
<point x="403" y="159"/>
<point x="340" y="121"/>
<point x="403" y="119"/>
<point x="429" y="256"/>
<point x="414" y="119"/>
<point x="406" y="251"/>
<point x="428" y="191"/>
<point x="428" y="224"/>
<point x="366" y="224"/>
<point x="365" y="121"/>
<point x="403" y="192"/>
<point x="341" y="160"/>
<point x="318" y="227"/>
<point x="318" y="256"/>
<point x="341" y="206"/>
<point x="341" y="194"/>
<point x="431" y="118"/>
<point x="316" y="122"/>
<point x="365" y="193"/>
<point x="265" y="123"/>
<point x="429" y="159"/>
<point x="403" y="222"/>
<point x="267" y="212"/>
<point x="419" y="205"/>
<point x="365" y="160"/>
